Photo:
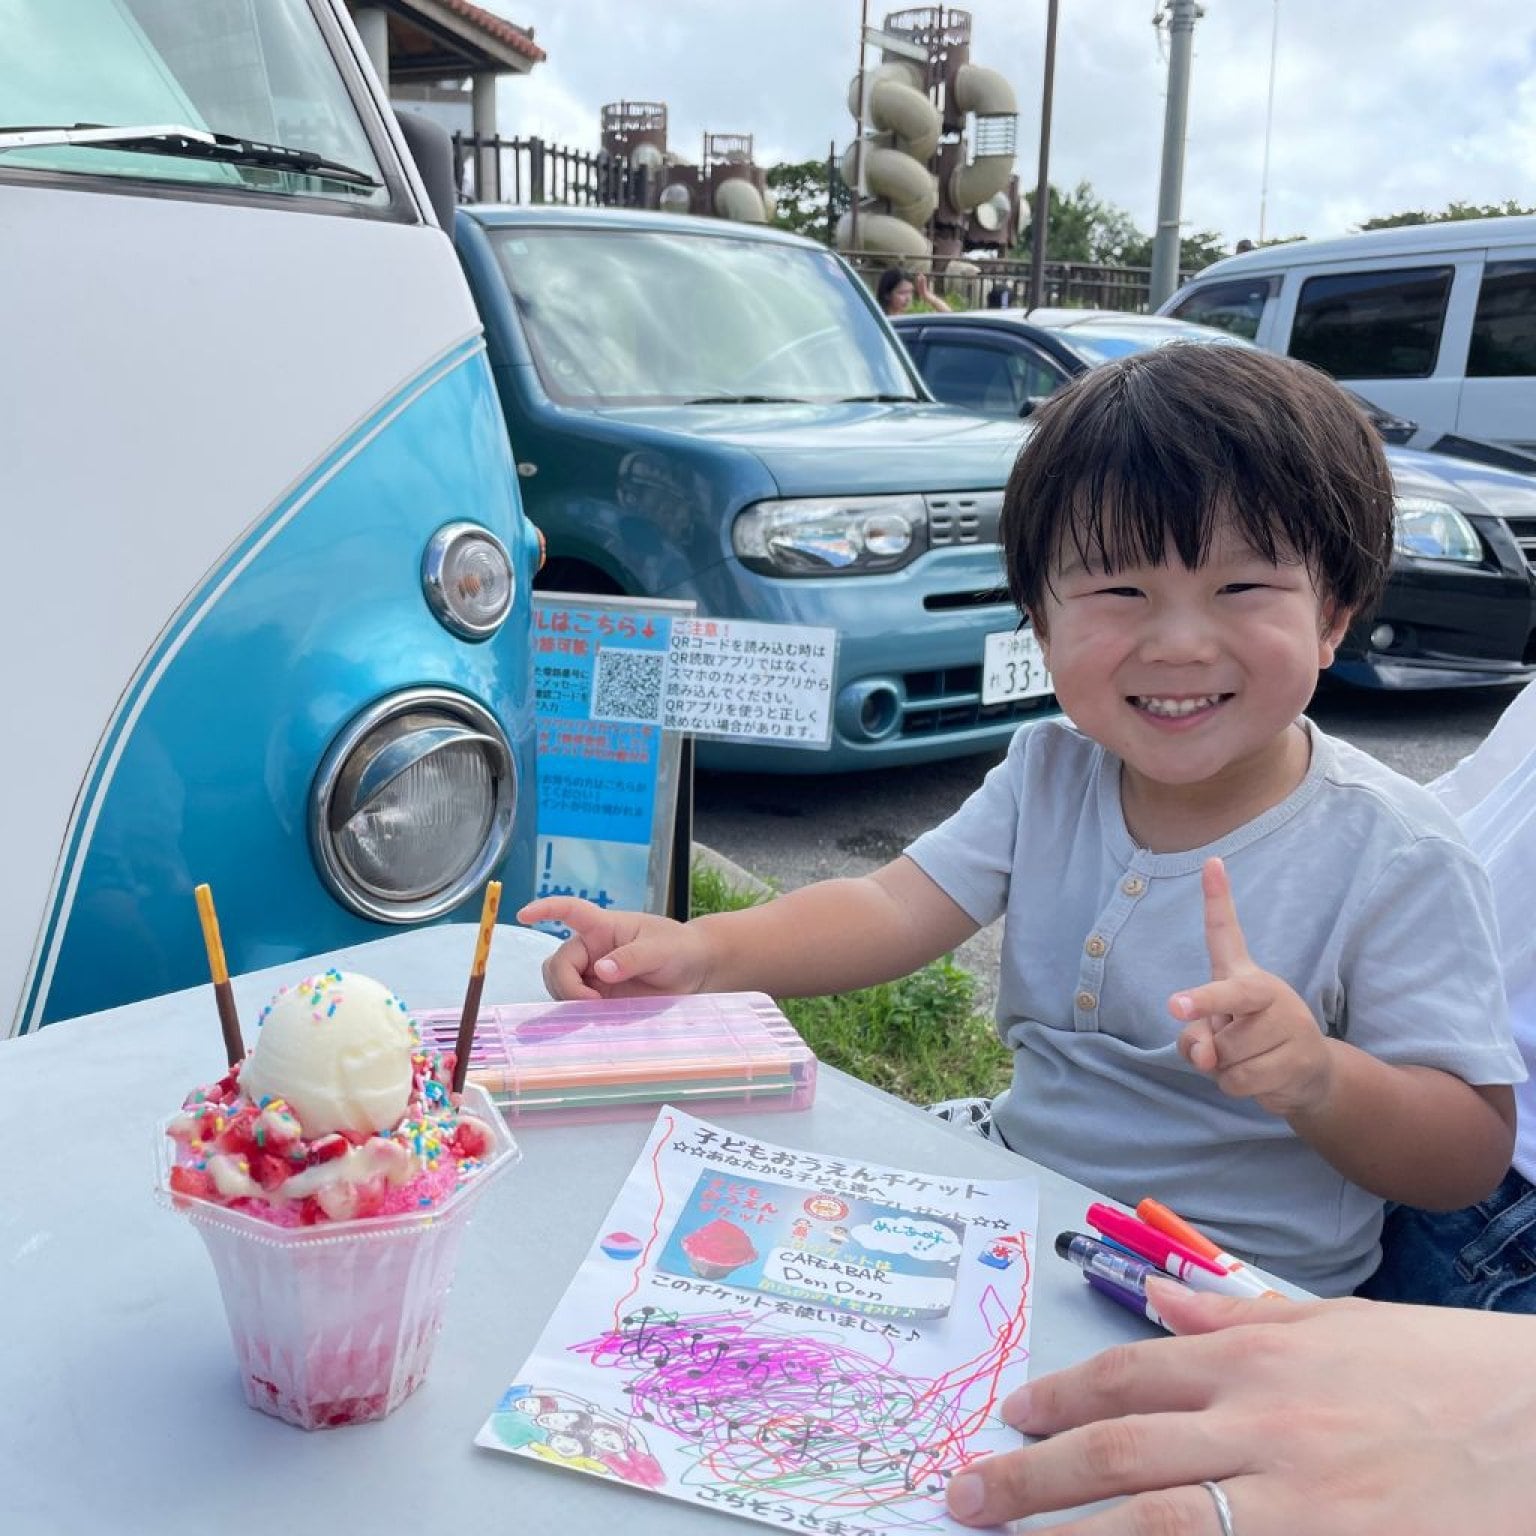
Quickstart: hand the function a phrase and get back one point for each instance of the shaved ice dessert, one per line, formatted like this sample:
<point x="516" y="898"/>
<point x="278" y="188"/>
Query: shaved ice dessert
<point x="330" y="1174"/>
<point x="717" y="1248"/>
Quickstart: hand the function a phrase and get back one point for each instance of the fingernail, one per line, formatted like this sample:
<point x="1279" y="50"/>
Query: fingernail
<point x="1015" y="1409"/>
<point x="967" y="1493"/>
<point x="607" y="966"/>
<point x="1183" y="1005"/>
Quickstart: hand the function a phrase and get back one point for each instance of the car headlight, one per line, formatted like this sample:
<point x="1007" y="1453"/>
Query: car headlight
<point x="467" y="576"/>
<point x="831" y="536"/>
<point x="413" y="805"/>
<point x="1434" y="530"/>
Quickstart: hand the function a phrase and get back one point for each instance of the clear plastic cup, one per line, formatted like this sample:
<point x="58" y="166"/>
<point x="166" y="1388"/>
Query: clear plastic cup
<point x="335" y="1323"/>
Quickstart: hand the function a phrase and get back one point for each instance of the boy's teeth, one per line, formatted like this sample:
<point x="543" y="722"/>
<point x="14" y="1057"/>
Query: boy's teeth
<point x="1175" y="707"/>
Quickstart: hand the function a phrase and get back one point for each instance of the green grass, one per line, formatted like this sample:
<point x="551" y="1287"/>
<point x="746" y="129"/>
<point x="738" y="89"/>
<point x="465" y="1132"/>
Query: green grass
<point x="920" y="1038"/>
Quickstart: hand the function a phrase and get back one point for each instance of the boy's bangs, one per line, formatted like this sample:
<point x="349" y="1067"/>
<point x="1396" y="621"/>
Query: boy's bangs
<point x="1113" y="521"/>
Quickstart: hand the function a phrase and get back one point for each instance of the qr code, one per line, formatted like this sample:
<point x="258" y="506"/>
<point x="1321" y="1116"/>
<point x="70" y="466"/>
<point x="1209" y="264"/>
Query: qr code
<point x="627" y="685"/>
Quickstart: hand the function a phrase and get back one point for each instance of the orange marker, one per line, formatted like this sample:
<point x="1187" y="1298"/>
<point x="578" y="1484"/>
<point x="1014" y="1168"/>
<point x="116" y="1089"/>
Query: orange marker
<point x="1171" y="1224"/>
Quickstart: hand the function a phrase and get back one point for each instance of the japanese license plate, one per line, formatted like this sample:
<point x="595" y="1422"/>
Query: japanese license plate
<point x="1013" y="667"/>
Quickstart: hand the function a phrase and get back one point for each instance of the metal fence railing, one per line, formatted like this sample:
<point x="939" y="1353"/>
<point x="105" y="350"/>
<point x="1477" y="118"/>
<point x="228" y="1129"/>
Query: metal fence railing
<point x="494" y="169"/>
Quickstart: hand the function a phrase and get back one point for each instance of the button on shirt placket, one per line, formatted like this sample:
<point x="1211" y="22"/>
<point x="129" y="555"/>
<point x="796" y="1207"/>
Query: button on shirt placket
<point x="1090" y="977"/>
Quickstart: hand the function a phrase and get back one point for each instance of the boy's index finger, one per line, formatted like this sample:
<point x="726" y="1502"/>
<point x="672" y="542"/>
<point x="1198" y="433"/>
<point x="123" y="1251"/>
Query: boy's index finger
<point x="1223" y="933"/>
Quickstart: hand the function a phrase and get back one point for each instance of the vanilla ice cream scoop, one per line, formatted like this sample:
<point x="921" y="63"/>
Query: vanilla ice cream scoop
<point x="337" y="1049"/>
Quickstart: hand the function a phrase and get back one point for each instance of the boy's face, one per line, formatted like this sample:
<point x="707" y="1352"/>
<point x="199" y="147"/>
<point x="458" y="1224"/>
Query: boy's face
<point x="1190" y="677"/>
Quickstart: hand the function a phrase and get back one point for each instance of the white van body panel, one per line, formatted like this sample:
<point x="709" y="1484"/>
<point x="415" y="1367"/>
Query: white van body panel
<point x="1500" y="409"/>
<point x="1434" y="402"/>
<point x="114" y="530"/>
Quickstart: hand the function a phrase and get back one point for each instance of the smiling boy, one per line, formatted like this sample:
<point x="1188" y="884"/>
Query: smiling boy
<point x="1190" y="530"/>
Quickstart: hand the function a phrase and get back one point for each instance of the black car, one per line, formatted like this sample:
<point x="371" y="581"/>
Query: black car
<point x="1460" y="606"/>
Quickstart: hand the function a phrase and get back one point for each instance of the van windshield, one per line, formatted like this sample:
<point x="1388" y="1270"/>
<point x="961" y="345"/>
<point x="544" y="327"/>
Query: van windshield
<point x="645" y="317"/>
<point x="256" y="70"/>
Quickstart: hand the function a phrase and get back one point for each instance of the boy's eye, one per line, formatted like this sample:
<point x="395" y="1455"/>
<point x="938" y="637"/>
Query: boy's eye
<point x="1244" y="586"/>
<point x="1117" y="592"/>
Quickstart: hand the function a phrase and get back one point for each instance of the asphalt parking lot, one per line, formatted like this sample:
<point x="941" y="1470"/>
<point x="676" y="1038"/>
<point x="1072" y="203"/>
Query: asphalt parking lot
<point x="790" y="829"/>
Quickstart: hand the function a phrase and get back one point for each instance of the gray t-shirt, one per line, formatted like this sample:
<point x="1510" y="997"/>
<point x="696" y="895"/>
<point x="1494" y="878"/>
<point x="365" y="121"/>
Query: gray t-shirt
<point x="1357" y="890"/>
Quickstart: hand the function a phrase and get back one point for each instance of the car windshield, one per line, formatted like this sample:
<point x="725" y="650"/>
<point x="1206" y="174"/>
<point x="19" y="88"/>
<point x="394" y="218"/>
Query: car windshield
<point x="646" y="317"/>
<point x="254" y="70"/>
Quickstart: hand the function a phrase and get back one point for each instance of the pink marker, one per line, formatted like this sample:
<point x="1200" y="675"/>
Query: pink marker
<point x="1168" y="1253"/>
<point x="1157" y="1215"/>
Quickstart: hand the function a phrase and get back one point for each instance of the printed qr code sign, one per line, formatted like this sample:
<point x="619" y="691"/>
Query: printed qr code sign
<point x="627" y="685"/>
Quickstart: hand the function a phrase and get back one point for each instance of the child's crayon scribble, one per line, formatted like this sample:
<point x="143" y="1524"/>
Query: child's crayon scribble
<point x="798" y="1414"/>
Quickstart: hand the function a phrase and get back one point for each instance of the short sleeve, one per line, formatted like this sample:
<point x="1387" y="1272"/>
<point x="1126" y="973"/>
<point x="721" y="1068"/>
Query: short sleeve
<point x="1421" y="968"/>
<point x="969" y="856"/>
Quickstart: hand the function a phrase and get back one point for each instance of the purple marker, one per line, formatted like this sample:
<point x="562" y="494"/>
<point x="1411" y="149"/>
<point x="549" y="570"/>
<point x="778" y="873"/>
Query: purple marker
<point x="1127" y="1299"/>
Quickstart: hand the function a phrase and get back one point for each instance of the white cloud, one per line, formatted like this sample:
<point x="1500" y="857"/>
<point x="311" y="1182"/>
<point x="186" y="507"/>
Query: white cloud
<point x="1380" y="105"/>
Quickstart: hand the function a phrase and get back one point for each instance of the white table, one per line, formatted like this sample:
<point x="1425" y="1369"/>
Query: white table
<point x="120" y="1406"/>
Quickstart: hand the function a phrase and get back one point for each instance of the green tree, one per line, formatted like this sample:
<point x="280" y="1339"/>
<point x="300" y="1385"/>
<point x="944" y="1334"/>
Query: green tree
<point x="801" y="189"/>
<point x="1452" y="211"/>
<point x="1195" y="251"/>
<point x="1085" y="227"/>
<point x="1080" y="226"/>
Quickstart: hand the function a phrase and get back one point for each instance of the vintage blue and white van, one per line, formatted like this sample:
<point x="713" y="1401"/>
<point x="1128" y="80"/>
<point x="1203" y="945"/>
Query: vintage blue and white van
<point x="265" y="620"/>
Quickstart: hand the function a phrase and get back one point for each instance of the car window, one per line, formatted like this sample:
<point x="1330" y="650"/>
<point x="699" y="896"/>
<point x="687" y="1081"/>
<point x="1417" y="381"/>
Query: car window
<point x="1372" y="325"/>
<point x="219" y="66"/>
<point x="1504" y="328"/>
<point x="994" y="379"/>
<point x="1236" y="305"/>
<point x="643" y="317"/>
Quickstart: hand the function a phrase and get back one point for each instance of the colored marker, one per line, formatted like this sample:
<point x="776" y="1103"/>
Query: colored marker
<point x="1130" y="1300"/>
<point x="1173" y="1225"/>
<point x="1168" y="1253"/>
<point x="1096" y="1258"/>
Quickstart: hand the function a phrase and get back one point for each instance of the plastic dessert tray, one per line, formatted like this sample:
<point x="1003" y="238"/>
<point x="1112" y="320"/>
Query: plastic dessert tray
<point x="617" y="1059"/>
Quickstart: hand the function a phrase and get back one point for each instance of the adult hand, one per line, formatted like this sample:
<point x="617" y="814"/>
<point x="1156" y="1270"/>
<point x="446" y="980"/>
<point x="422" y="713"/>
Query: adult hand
<point x="1246" y="1027"/>
<point x="618" y="954"/>
<point x="1334" y="1418"/>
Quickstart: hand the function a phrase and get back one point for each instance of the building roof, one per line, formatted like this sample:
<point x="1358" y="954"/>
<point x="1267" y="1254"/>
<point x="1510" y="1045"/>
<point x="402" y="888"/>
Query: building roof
<point x="433" y="40"/>
<point x="519" y="39"/>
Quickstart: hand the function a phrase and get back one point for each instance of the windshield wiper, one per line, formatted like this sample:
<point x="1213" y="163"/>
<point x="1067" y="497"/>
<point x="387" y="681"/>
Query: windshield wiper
<point x="185" y="143"/>
<point x="879" y="400"/>
<point x="745" y="400"/>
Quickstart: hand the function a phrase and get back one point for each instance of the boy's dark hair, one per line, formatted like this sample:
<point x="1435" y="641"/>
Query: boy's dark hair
<point x="1160" y="447"/>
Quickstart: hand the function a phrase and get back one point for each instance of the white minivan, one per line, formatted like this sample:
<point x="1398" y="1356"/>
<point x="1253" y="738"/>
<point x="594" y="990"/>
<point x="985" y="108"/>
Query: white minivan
<point x="266" y="621"/>
<point x="1434" y="322"/>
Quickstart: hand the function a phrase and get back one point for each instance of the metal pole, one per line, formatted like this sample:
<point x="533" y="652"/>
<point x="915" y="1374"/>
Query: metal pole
<point x="1042" y="209"/>
<point x="858" y="143"/>
<point x="1269" y="118"/>
<point x="1165" y="244"/>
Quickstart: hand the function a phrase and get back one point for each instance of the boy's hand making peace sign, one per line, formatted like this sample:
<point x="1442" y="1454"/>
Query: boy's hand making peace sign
<point x="1245" y="1027"/>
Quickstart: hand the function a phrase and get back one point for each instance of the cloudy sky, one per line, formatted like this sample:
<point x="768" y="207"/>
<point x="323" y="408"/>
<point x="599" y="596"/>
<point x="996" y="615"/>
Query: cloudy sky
<point x="1379" y="105"/>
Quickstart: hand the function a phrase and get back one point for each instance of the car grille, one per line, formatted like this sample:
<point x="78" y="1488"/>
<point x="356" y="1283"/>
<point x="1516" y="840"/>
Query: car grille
<point x="946" y="699"/>
<point x="962" y="517"/>
<point x="1524" y="530"/>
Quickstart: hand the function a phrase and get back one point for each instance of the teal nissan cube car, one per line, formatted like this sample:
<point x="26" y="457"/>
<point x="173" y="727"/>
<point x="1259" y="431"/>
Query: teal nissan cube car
<point x="718" y="412"/>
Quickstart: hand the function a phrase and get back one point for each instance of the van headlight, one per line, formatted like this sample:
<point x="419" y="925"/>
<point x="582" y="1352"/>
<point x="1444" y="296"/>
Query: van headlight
<point x="413" y="805"/>
<point x="831" y="536"/>
<point x="467" y="576"/>
<point x="1434" y="530"/>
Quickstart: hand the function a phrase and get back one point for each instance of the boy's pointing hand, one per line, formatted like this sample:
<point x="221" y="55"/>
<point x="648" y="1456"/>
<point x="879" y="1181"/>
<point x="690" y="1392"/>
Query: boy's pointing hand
<point x="618" y="954"/>
<point x="1245" y="1027"/>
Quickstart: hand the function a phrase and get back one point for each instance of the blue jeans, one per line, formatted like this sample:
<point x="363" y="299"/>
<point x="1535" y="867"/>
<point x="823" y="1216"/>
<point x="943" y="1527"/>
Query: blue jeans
<point x="1482" y="1256"/>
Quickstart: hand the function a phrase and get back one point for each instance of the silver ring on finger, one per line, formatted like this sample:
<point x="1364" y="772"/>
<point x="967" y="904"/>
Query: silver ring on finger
<point x="1223" y="1509"/>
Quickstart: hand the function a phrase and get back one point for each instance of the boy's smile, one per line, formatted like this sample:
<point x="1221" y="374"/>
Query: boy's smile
<point x="1192" y="678"/>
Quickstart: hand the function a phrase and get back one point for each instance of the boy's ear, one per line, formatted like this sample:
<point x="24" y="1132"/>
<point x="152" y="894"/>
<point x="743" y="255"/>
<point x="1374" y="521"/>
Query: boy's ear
<point x="1336" y="622"/>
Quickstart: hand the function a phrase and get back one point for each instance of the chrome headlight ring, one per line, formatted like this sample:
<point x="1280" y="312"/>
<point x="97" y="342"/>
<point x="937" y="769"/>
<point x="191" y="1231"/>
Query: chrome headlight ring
<point x="413" y="805"/>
